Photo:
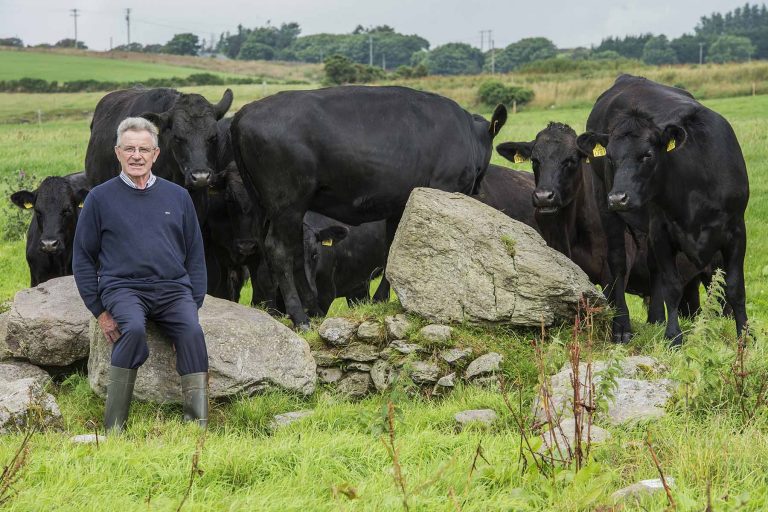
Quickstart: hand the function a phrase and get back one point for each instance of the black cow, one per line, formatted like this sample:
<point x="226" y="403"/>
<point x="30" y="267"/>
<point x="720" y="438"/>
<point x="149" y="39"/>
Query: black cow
<point x="56" y="204"/>
<point x="509" y="191"/>
<point x="671" y="166"/>
<point x="353" y="154"/>
<point x="568" y="217"/>
<point x="188" y="136"/>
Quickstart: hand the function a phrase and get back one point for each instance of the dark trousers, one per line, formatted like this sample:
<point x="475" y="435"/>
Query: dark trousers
<point x="172" y="309"/>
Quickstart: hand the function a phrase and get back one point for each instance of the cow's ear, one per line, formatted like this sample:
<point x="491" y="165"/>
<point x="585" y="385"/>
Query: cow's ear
<point x="24" y="199"/>
<point x="517" y="152"/>
<point x="592" y="144"/>
<point x="673" y="137"/>
<point x="332" y="235"/>
<point x="498" y="119"/>
<point x="223" y="105"/>
<point x="162" y="121"/>
<point x="80" y="196"/>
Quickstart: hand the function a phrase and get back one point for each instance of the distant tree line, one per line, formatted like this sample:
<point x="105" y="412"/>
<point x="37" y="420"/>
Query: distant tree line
<point x="737" y="35"/>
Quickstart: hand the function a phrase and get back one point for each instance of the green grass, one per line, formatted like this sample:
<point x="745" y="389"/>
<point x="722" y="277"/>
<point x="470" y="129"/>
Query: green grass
<point x="65" y="68"/>
<point x="247" y="467"/>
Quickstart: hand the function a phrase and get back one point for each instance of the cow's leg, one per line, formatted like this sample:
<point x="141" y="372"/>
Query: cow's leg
<point x="656" y="313"/>
<point x="382" y="292"/>
<point x="733" y="254"/>
<point x="304" y="286"/>
<point x="666" y="259"/>
<point x="617" y="262"/>
<point x="285" y="234"/>
<point x="691" y="302"/>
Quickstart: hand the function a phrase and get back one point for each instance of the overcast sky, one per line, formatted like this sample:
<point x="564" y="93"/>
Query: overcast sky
<point x="567" y="23"/>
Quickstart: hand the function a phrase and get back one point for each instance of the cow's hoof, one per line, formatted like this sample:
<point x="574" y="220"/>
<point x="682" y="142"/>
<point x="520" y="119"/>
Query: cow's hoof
<point x="622" y="338"/>
<point x="303" y="327"/>
<point x="675" y="340"/>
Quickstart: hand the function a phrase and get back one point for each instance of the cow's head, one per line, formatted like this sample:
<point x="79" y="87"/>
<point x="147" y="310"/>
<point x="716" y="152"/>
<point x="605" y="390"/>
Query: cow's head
<point x="188" y="132"/>
<point x="233" y="220"/>
<point x="56" y="206"/>
<point x="556" y="163"/>
<point x="318" y="244"/>
<point x="486" y="131"/>
<point x="632" y="155"/>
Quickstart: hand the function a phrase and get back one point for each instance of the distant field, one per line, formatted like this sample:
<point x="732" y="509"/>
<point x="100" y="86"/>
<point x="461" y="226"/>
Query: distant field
<point x="63" y="68"/>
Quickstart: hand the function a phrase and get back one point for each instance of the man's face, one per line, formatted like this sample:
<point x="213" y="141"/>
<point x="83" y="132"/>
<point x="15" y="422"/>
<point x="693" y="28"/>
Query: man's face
<point x="136" y="153"/>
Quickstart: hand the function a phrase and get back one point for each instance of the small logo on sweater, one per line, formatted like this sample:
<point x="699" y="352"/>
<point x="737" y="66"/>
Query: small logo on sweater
<point x="167" y="213"/>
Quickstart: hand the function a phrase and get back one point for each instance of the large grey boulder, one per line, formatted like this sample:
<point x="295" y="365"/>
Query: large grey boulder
<point x="455" y="259"/>
<point x="248" y="351"/>
<point x="48" y="324"/>
<point x="635" y="398"/>
<point x="24" y="403"/>
<point x="15" y="370"/>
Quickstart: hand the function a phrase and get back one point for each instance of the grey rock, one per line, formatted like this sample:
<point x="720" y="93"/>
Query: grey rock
<point x="360" y="352"/>
<point x="329" y="375"/>
<point x="15" y="370"/>
<point x="48" y="324"/>
<point x="642" y="488"/>
<point x="248" y="351"/>
<point x="285" y="419"/>
<point x="633" y="400"/>
<point x="483" y="365"/>
<point x="435" y="333"/>
<point x="424" y="373"/>
<point x="452" y="261"/>
<point x="455" y="355"/>
<point x="359" y="367"/>
<point x="447" y="381"/>
<point x="405" y="348"/>
<point x="355" y="384"/>
<point x="326" y="357"/>
<point x="88" y="439"/>
<point x="370" y="332"/>
<point x="23" y="401"/>
<point x="382" y="375"/>
<point x="489" y="382"/>
<point x="337" y="331"/>
<point x="562" y="441"/>
<point x="397" y="326"/>
<point x="5" y="351"/>
<point x="484" y="416"/>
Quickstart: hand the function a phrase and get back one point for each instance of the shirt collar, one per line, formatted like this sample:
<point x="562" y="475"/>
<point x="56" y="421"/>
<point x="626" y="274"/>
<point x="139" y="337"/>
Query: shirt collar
<point x="130" y="183"/>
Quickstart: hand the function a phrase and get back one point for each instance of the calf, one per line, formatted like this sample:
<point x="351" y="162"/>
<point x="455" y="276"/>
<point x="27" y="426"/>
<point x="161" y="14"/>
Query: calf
<point x="56" y="204"/>
<point x="353" y="154"/>
<point x="509" y="191"/>
<point x="672" y="167"/>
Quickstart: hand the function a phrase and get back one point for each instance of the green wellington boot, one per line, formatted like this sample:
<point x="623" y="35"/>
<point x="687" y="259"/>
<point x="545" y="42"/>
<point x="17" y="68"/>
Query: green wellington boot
<point x="194" y="387"/>
<point x="119" y="393"/>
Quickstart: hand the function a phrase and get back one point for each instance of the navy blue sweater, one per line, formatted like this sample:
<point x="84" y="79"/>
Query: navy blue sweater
<point x="128" y="236"/>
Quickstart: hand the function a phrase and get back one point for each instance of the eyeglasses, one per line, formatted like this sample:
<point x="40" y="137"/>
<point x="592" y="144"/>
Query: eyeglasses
<point x="143" y="150"/>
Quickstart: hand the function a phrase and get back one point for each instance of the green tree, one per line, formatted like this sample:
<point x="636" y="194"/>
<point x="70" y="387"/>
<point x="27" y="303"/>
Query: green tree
<point x="454" y="59"/>
<point x="493" y="92"/>
<point x="525" y="51"/>
<point x="70" y="43"/>
<point x="657" y="51"/>
<point x="133" y="47"/>
<point x="183" y="44"/>
<point x="727" y="48"/>
<point x="630" y="47"/>
<point x="686" y="48"/>
<point x="339" y="70"/>
<point x="12" y="41"/>
<point x="252" y="49"/>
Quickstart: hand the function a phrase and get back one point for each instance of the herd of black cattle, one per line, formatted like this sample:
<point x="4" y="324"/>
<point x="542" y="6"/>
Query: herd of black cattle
<point x="303" y="191"/>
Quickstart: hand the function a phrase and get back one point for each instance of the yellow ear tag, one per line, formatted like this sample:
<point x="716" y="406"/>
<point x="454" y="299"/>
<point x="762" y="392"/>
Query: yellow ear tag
<point x="27" y="206"/>
<point x="586" y="159"/>
<point x="328" y="243"/>
<point x="80" y="205"/>
<point x="519" y="159"/>
<point x="671" y="145"/>
<point x="598" y="150"/>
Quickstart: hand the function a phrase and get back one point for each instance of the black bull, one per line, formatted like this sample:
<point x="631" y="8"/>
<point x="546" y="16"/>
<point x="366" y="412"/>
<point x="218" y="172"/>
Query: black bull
<point x="669" y="166"/>
<point x="353" y="154"/>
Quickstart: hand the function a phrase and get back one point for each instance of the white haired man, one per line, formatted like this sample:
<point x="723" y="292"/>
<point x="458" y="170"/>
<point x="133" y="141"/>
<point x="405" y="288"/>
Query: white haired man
<point x="138" y="255"/>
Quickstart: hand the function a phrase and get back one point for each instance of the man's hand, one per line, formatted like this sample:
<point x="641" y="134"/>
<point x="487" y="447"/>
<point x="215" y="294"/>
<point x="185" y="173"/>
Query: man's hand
<point x="108" y="326"/>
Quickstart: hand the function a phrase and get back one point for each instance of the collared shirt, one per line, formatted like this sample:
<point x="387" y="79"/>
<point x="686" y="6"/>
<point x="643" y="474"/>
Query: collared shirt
<point x="127" y="180"/>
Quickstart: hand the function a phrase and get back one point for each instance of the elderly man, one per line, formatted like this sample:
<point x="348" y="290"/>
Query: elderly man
<point x="138" y="255"/>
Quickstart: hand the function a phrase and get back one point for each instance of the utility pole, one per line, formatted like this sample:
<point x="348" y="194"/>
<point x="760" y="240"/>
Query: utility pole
<point x="493" y="53"/>
<point x="482" y="39"/>
<point x="701" y="53"/>
<point x="75" y="15"/>
<point x="128" y="24"/>
<point x="370" y="50"/>
<point x="383" y="62"/>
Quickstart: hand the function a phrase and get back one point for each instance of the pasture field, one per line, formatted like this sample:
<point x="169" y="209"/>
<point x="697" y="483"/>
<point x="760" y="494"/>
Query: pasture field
<point x="68" y="67"/>
<point x="337" y="460"/>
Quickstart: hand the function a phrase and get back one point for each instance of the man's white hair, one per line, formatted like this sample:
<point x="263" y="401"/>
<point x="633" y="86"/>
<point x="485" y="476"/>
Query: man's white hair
<point x="136" y="124"/>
